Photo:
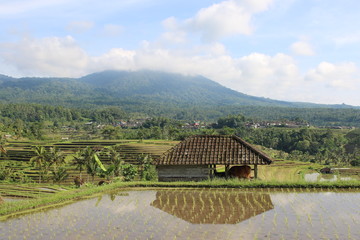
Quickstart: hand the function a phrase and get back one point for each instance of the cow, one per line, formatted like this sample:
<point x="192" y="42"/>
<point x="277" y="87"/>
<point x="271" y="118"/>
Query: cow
<point x="78" y="181"/>
<point x="240" y="172"/>
<point x="326" y="170"/>
<point x="102" y="182"/>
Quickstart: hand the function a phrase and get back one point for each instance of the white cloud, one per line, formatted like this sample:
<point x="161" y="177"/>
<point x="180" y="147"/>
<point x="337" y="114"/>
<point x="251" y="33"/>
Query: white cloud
<point x="117" y="59"/>
<point x="342" y="75"/>
<point x="261" y="72"/>
<point x="303" y="48"/>
<point x="80" y="26"/>
<point x="50" y="56"/>
<point x="223" y="19"/>
<point x="113" y="29"/>
<point x="257" y="74"/>
<point x="174" y="34"/>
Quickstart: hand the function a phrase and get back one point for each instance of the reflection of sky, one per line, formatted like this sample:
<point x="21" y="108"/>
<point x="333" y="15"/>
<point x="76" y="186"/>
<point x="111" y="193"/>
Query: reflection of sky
<point x="313" y="177"/>
<point x="301" y="215"/>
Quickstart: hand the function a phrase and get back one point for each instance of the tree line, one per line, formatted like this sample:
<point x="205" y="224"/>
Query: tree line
<point x="323" y="145"/>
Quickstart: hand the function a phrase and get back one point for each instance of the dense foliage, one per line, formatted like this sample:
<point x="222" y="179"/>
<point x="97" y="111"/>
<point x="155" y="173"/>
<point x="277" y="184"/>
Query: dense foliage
<point x="305" y="142"/>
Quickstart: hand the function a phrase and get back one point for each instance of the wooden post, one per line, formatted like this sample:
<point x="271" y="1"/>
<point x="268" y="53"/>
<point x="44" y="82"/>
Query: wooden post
<point x="255" y="171"/>
<point x="212" y="171"/>
<point x="227" y="171"/>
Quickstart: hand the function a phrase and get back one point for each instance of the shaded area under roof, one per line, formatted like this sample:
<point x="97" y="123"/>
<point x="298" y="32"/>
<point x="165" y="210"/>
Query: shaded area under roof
<point x="213" y="149"/>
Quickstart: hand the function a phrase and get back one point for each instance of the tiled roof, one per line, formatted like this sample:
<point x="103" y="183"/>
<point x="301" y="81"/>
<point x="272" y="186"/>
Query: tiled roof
<point x="213" y="149"/>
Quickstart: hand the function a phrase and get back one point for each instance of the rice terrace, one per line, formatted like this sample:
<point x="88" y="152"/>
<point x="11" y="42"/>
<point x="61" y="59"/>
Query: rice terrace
<point x="288" y="200"/>
<point x="176" y="120"/>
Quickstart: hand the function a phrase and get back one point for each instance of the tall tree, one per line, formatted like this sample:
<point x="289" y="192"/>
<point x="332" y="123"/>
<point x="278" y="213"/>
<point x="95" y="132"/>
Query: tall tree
<point x="79" y="161"/>
<point x="92" y="161"/>
<point x="41" y="161"/>
<point x="56" y="157"/>
<point x="116" y="160"/>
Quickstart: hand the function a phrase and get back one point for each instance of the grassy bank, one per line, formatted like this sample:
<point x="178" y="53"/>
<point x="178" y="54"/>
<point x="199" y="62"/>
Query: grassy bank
<point x="9" y="209"/>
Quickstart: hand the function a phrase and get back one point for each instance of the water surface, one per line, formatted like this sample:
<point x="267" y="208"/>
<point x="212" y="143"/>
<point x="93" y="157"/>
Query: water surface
<point x="197" y="214"/>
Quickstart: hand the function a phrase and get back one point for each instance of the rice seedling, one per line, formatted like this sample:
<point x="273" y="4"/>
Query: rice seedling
<point x="157" y="214"/>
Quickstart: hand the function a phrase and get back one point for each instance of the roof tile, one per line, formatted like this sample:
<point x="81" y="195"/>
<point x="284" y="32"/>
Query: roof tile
<point x="213" y="149"/>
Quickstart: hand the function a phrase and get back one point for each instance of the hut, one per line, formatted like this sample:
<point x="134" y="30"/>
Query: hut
<point x="196" y="157"/>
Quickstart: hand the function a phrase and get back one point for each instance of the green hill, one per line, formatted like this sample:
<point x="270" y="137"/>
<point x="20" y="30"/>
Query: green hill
<point x="151" y="93"/>
<point x="131" y="88"/>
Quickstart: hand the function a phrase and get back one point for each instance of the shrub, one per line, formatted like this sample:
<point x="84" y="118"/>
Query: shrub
<point x="150" y="174"/>
<point x="355" y="162"/>
<point x="129" y="172"/>
<point x="8" y="174"/>
<point x="147" y="170"/>
<point x="60" y="174"/>
<point x="5" y="173"/>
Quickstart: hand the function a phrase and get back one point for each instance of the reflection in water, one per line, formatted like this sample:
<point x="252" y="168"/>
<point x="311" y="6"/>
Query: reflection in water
<point x="209" y="206"/>
<point x="294" y="214"/>
<point x="314" y="177"/>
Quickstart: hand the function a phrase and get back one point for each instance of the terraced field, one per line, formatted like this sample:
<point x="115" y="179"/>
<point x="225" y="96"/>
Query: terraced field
<point x="19" y="153"/>
<point x="12" y="192"/>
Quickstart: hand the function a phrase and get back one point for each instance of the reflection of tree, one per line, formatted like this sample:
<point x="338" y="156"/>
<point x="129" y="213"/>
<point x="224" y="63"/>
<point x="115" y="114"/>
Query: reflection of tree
<point x="212" y="206"/>
<point x="113" y="195"/>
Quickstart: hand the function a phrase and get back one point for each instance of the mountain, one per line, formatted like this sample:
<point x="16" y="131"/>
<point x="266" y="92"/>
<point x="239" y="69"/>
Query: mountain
<point x="134" y="91"/>
<point x="169" y="88"/>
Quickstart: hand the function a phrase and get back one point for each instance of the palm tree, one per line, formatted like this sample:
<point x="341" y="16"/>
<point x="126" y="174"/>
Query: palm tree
<point x="91" y="160"/>
<point x="116" y="160"/>
<point x="60" y="174"/>
<point x="56" y="157"/>
<point x="41" y="161"/>
<point x="2" y="144"/>
<point x="79" y="162"/>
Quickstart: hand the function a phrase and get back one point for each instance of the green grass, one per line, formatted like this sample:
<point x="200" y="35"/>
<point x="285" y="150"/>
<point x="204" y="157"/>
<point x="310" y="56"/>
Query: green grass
<point x="29" y="190"/>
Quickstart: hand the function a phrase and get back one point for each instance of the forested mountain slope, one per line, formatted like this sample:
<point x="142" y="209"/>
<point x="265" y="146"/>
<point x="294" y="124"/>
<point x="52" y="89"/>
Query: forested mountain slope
<point x="163" y="94"/>
<point x="123" y="87"/>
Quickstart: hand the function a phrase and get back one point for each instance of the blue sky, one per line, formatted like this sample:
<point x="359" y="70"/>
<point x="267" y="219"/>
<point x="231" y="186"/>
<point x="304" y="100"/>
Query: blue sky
<point x="294" y="50"/>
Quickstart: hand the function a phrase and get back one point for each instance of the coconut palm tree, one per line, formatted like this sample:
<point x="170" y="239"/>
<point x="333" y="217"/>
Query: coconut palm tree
<point x="56" y="157"/>
<point x="2" y="148"/>
<point x="60" y="174"/>
<point x="79" y="162"/>
<point x="41" y="161"/>
<point x="116" y="160"/>
<point x="91" y="160"/>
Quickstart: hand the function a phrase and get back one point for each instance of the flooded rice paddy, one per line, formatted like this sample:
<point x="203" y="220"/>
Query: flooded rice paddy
<point x="197" y="214"/>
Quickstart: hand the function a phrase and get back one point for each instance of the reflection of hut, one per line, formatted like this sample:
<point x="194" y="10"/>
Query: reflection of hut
<point x="195" y="158"/>
<point x="212" y="206"/>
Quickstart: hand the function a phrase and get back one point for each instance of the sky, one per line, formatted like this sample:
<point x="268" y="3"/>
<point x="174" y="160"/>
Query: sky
<point x="292" y="50"/>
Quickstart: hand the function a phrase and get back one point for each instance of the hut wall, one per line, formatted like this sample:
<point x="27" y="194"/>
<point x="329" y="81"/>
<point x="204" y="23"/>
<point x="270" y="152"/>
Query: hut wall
<point x="183" y="173"/>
